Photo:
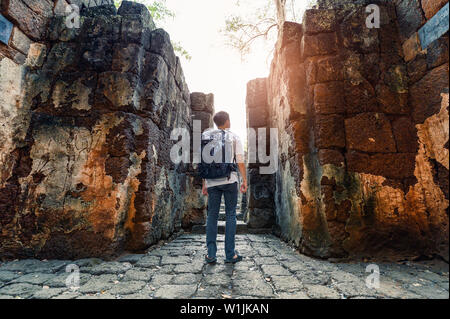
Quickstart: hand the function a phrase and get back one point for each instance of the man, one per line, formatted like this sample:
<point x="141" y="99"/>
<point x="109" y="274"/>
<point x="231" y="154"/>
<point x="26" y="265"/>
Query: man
<point x="228" y="187"/>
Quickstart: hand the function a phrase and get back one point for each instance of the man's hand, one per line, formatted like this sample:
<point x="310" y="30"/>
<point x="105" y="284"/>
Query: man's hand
<point x="204" y="189"/>
<point x="244" y="186"/>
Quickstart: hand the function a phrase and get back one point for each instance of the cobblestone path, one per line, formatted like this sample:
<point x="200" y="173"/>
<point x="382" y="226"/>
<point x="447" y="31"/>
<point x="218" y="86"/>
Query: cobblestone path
<point x="271" y="269"/>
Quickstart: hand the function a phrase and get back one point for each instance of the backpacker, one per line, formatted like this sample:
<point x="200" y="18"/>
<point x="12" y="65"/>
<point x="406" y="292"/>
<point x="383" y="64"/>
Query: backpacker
<point x="215" y="170"/>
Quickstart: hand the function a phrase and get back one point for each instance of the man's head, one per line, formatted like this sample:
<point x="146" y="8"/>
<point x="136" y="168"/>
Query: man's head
<point x="222" y="120"/>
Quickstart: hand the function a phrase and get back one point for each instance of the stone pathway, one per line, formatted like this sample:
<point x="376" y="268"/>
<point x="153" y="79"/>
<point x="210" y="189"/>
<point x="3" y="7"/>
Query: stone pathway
<point x="271" y="269"/>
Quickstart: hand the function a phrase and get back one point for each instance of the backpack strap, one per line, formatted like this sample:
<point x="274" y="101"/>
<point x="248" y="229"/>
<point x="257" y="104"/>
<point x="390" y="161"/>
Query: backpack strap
<point x="223" y="146"/>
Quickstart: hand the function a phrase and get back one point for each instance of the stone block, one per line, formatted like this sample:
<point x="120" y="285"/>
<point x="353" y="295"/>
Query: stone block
<point x="437" y="52"/>
<point x="417" y="68"/>
<point x="257" y="117"/>
<point x="205" y="117"/>
<point x="425" y="95"/>
<point x="32" y="23"/>
<point x="93" y="8"/>
<point x="391" y="102"/>
<point x="410" y="17"/>
<point x="396" y="78"/>
<point x="202" y="102"/>
<point x="370" y="132"/>
<point x="14" y="55"/>
<point x="97" y="54"/>
<point x="296" y="93"/>
<point x="405" y="134"/>
<point x="324" y="69"/>
<point x="356" y="36"/>
<point x="136" y="11"/>
<point x="395" y="166"/>
<point x="155" y="69"/>
<point x="41" y="7"/>
<point x="210" y="103"/>
<point x="182" y="85"/>
<point x="290" y="32"/>
<point x="260" y="193"/>
<point x="328" y="98"/>
<point x="117" y="168"/>
<point x="319" y="21"/>
<point x="391" y="42"/>
<point x="260" y="218"/>
<point x="431" y="7"/>
<point x="60" y="7"/>
<point x="329" y="131"/>
<point x="127" y="58"/>
<point x="411" y="47"/>
<point x="320" y="44"/>
<point x="291" y="54"/>
<point x="117" y="91"/>
<point x="135" y="31"/>
<point x="58" y="30"/>
<point x="74" y="92"/>
<point x="36" y="55"/>
<point x="301" y="133"/>
<point x="257" y="93"/>
<point x="333" y="157"/>
<point x="108" y="28"/>
<point x="20" y="41"/>
<point x="160" y="44"/>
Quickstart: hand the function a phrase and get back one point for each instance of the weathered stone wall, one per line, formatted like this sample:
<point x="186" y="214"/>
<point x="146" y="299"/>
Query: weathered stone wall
<point x="260" y="201"/>
<point x="86" y="122"/>
<point x="363" y="135"/>
<point x="202" y="106"/>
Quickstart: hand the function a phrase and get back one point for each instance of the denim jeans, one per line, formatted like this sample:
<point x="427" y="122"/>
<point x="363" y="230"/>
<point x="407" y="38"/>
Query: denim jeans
<point x="230" y="192"/>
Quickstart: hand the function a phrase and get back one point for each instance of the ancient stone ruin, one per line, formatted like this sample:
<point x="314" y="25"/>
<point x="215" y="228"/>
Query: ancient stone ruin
<point x="86" y="116"/>
<point x="362" y="116"/>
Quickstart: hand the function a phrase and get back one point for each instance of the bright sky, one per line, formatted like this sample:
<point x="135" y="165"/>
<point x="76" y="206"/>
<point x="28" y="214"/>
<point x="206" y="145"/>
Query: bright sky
<point x="215" y="67"/>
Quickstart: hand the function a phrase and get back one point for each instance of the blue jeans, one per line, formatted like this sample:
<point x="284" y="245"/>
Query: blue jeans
<point x="230" y="192"/>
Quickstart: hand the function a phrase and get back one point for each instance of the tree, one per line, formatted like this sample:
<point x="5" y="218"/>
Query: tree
<point x="241" y="31"/>
<point x="160" y="13"/>
<point x="281" y="11"/>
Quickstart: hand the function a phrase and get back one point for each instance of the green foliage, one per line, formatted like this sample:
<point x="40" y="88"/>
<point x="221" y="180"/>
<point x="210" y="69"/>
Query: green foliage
<point x="178" y="48"/>
<point x="160" y="13"/>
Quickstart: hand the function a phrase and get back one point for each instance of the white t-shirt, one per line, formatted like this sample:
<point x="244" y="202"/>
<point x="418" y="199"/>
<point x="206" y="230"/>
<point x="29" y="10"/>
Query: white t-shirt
<point x="238" y="151"/>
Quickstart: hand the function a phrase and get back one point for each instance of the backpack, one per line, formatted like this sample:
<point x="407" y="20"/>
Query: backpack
<point x="215" y="170"/>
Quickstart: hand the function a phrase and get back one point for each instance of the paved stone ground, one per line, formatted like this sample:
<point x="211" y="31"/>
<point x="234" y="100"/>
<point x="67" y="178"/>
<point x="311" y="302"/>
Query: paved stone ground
<point x="271" y="269"/>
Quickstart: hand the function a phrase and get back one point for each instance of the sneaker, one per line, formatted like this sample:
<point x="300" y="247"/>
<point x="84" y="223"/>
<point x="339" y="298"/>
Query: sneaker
<point x="210" y="260"/>
<point x="234" y="260"/>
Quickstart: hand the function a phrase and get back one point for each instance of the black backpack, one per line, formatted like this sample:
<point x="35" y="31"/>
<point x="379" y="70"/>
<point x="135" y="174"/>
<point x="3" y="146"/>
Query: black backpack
<point x="215" y="170"/>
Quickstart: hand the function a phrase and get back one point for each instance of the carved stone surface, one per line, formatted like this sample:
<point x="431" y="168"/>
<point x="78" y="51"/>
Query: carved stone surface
<point x="85" y="166"/>
<point x="363" y="137"/>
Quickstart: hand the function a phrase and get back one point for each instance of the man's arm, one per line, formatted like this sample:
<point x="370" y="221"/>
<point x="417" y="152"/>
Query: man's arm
<point x="243" y="172"/>
<point x="204" y="189"/>
<point x="241" y="164"/>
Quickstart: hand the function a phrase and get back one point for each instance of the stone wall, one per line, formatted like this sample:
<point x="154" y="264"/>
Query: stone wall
<point x="86" y="116"/>
<point x="260" y="200"/>
<point x="363" y="129"/>
<point x="196" y="203"/>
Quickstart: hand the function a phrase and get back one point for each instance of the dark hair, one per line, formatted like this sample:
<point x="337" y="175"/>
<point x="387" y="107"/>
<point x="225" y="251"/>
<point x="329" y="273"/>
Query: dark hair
<point x="221" y="118"/>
